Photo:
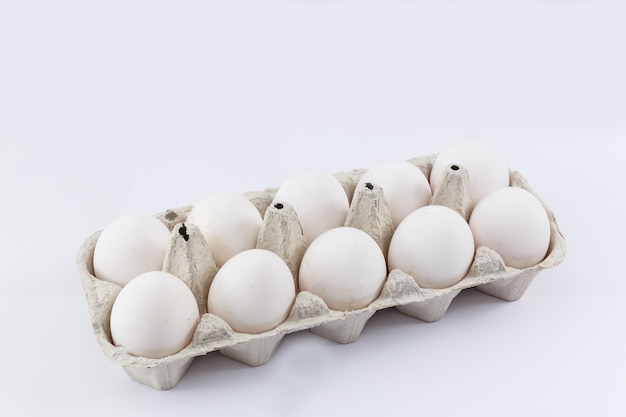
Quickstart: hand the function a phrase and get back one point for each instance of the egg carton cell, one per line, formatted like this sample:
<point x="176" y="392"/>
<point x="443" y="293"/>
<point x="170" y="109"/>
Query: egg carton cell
<point x="189" y="258"/>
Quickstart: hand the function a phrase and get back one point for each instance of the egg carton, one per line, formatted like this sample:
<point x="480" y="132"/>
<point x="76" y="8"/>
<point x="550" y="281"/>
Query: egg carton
<point x="189" y="258"/>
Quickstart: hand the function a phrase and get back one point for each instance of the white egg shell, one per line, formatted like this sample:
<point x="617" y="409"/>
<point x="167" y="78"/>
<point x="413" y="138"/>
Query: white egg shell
<point x="253" y="291"/>
<point x="319" y="200"/>
<point x="130" y="245"/>
<point x="486" y="167"/>
<point x="345" y="267"/>
<point x="434" y="245"/>
<point x="229" y="222"/>
<point x="514" y="223"/>
<point x="404" y="185"/>
<point x="154" y="315"/>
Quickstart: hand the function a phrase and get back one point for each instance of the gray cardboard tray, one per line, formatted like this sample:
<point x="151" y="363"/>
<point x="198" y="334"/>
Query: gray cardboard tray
<point x="189" y="259"/>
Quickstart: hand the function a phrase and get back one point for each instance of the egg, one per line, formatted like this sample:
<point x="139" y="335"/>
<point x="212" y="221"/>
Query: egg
<point x="404" y="185"/>
<point x="318" y="199"/>
<point x="253" y="291"/>
<point x="154" y="315"/>
<point x="229" y="222"/>
<point x="434" y="245"/>
<point x="129" y="246"/>
<point x="486" y="167"/>
<point x="345" y="267"/>
<point x="514" y="223"/>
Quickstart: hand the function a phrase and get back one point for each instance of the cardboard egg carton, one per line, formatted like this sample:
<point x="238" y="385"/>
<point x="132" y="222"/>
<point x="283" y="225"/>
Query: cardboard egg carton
<point x="189" y="258"/>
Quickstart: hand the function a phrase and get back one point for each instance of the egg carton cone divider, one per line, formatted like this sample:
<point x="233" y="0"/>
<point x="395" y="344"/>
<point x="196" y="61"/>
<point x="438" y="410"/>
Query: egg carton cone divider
<point x="189" y="258"/>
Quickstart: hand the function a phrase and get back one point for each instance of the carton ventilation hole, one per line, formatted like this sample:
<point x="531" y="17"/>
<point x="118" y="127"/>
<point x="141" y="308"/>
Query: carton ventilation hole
<point x="183" y="232"/>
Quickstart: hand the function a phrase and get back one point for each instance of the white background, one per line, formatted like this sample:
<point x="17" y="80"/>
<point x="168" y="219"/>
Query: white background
<point x="125" y="105"/>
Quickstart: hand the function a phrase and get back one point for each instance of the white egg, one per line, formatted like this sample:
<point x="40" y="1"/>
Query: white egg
<point x="154" y="316"/>
<point x="514" y="223"/>
<point x="253" y="291"/>
<point x="404" y="185"/>
<point x="486" y="167"/>
<point x="130" y="245"/>
<point x="229" y="222"/>
<point x="345" y="267"/>
<point x="434" y="245"/>
<point x="318" y="199"/>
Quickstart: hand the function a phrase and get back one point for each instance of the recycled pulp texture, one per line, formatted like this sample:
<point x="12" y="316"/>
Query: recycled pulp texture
<point x="190" y="259"/>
